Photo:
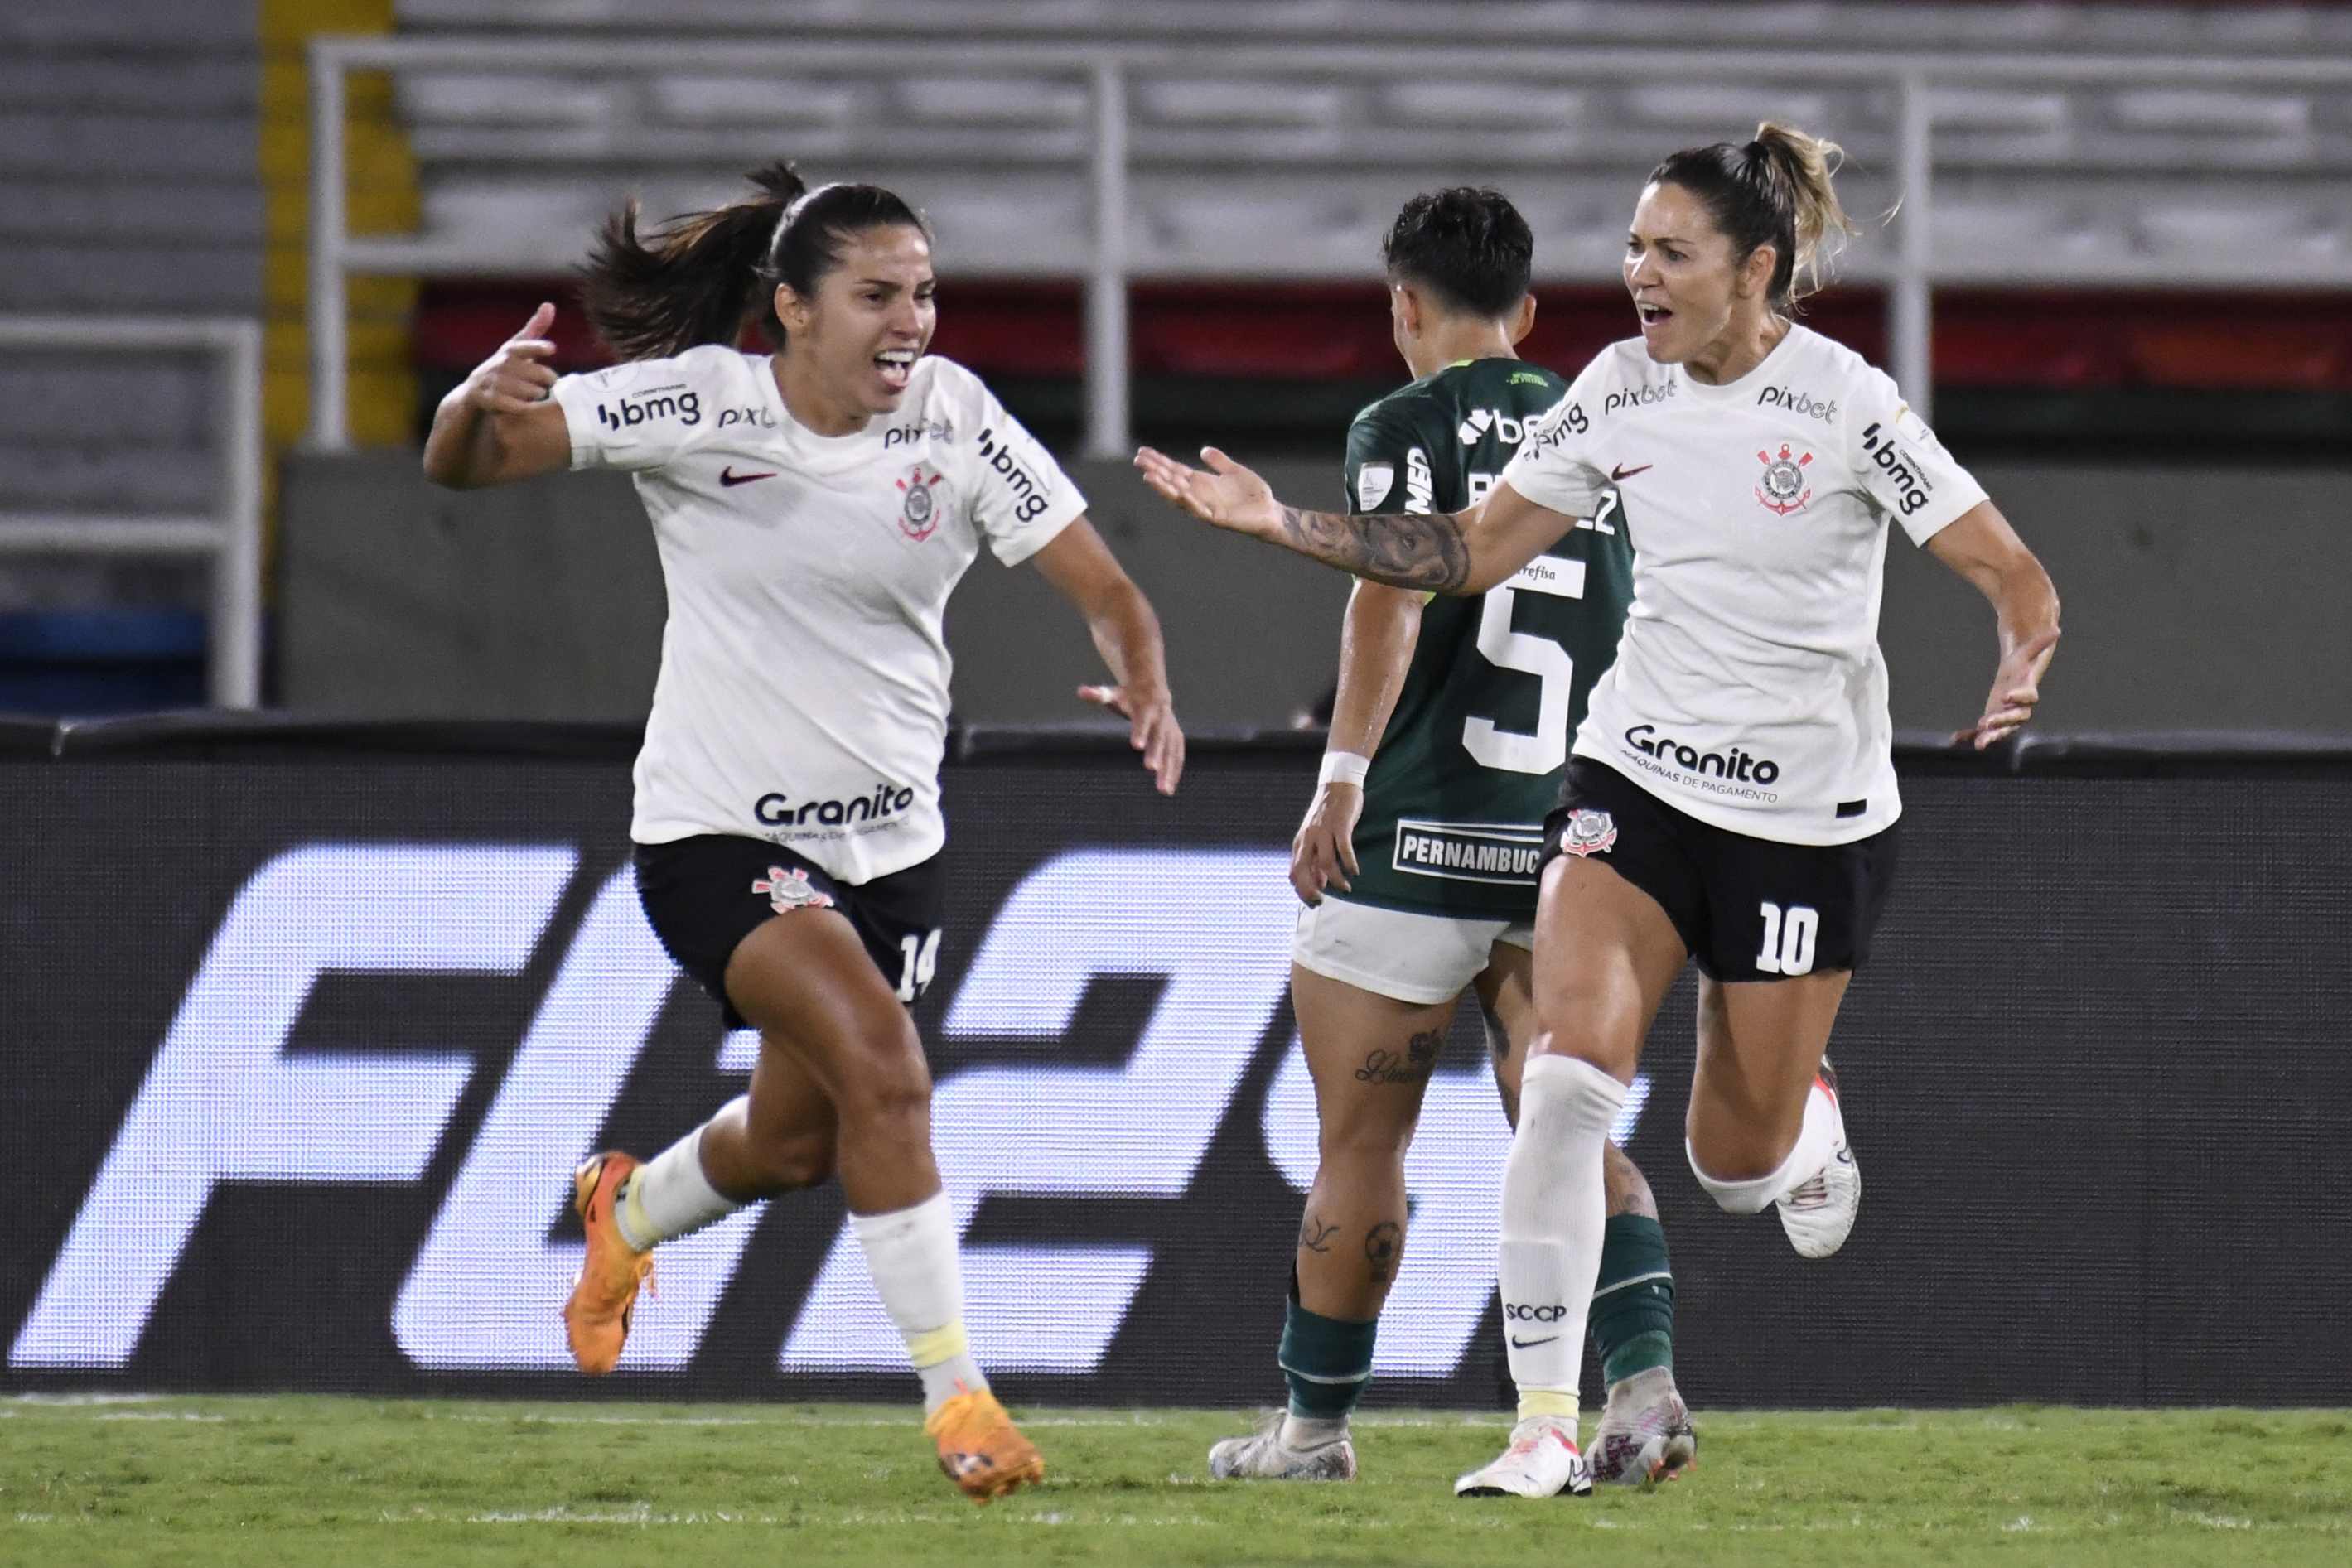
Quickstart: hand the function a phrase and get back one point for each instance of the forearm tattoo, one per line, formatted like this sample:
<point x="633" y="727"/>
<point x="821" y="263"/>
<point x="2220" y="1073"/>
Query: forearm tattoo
<point x="1402" y="549"/>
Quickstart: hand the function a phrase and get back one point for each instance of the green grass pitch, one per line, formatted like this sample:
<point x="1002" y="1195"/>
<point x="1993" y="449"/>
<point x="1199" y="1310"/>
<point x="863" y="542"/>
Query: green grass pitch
<point x="253" y="1482"/>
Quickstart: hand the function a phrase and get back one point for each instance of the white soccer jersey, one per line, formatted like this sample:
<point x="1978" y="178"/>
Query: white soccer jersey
<point x="1748" y="690"/>
<point x="804" y="688"/>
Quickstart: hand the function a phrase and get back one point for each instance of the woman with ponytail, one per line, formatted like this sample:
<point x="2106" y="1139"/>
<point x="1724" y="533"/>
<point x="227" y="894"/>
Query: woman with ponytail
<point x="1731" y="796"/>
<point x="813" y="506"/>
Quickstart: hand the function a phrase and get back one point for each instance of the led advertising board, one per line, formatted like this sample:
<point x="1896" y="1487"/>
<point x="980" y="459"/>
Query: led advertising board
<point x="300" y="1052"/>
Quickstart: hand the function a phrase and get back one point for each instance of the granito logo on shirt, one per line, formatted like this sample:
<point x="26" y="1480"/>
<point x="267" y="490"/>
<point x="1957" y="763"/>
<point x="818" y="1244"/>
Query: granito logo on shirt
<point x="886" y="799"/>
<point x="1717" y="772"/>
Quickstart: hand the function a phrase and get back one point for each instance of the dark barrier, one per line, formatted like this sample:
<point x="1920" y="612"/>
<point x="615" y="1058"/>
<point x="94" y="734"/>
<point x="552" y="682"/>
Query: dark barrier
<point x="305" y="1025"/>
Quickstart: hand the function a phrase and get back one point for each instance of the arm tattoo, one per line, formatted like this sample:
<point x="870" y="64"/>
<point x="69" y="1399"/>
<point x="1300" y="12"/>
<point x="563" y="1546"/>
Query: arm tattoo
<point x="1402" y="549"/>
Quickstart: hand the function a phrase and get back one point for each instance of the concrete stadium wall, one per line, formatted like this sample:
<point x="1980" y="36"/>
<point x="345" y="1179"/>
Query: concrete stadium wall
<point x="2196" y="597"/>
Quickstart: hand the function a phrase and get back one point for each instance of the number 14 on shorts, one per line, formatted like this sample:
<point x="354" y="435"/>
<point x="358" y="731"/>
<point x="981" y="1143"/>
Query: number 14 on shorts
<point x="1789" y="938"/>
<point x="920" y="956"/>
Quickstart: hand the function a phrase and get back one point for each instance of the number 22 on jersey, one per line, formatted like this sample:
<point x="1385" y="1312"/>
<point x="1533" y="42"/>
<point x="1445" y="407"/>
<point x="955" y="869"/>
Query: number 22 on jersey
<point x="1541" y="657"/>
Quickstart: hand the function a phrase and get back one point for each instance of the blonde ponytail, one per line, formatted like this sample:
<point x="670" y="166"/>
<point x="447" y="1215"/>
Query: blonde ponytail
<point x="1801" y="166"/>
<point x="1776" y="189"/>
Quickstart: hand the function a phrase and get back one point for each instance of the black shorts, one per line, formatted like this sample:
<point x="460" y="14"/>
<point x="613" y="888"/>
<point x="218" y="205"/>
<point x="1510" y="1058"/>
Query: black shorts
<point x="703" y="896"/>
<point x="1748" y="908"/>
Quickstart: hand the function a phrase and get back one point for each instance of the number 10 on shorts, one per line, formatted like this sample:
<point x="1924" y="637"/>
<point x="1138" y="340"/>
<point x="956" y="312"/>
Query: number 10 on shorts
<point x="1787" y="940"/>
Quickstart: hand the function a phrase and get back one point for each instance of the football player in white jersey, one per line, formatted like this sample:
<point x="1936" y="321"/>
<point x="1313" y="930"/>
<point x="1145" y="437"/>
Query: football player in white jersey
<point x="1731" y="798"/>
<point x="814" y="509"/>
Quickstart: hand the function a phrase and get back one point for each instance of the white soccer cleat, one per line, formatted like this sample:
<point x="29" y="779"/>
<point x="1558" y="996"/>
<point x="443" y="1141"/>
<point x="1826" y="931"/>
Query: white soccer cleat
<point x="1261" y="1457"/>
<point x="1541" y="1461"/>
<point x="1644" y="1433"/>
<point x="1819" y="1212"/>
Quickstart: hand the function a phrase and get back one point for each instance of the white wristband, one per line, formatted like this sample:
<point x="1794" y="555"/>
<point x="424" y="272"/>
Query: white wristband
<point x="1343" y="767"/>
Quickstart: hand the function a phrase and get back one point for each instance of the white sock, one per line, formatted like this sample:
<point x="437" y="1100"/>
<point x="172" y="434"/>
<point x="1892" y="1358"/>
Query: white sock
<point x="1816" y="1143"/>
<point x="1555" y="1211"/>
<point x="911" y="1255"/>
<point x="1301" y="1434"/>
<point x="668" y="1197"/>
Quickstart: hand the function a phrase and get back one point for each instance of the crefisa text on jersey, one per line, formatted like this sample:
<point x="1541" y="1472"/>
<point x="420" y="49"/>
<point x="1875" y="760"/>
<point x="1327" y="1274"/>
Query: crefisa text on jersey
<point x="777" y="809"/>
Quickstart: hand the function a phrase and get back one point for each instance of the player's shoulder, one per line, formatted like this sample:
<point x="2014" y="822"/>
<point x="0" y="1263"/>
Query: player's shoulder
<point x="936" y="375"/>
<point x="1413" y="405"/>
<point x="1829" y="363"/>
<point x="1621" y="379"/>
<point x="706" y="364"/>
<point x="1508" y="377"/>
<point x="680" y="397"/>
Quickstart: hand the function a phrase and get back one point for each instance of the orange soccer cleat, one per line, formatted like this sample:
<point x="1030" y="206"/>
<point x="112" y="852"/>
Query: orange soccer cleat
<point x="596" y="1318"/>
<point x="980" y="1449"/>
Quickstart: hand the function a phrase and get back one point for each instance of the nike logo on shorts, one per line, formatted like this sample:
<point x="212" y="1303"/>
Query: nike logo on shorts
<point x="729" y="477"/>
<point x="1622" y="472"/>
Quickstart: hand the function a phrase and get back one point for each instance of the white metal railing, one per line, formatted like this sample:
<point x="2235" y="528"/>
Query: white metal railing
<point x="1909" y="274"/>
<point x="231" y="535"/>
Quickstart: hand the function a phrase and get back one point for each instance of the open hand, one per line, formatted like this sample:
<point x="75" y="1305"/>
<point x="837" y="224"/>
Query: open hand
<point x="1323" y="852"/>
<point x="517" y="378"/>
<point x="1228" y="495"/>
<point x="1152" y="729"/>
<point x="2016" y="687"/>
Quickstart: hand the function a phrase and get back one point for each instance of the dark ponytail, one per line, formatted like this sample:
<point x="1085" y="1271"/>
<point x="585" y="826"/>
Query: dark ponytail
<point x="700" y="278"/>
<point x="1774" y="191"/>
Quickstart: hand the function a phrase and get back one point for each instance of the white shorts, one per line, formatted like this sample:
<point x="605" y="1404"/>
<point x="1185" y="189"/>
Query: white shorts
<point x="1420" y="958"/>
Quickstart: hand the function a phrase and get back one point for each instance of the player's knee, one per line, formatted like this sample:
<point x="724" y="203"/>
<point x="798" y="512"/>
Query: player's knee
<point x="884" y="1079"/>
<point x="801" y="1160"/>
<point x="1366" y="1140"/>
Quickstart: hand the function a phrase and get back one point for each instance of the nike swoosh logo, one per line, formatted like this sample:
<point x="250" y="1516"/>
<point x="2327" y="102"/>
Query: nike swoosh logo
<point x="1519" y="1344"/>
<point x="1622" y="472"/>
<point x="729" y="477"/>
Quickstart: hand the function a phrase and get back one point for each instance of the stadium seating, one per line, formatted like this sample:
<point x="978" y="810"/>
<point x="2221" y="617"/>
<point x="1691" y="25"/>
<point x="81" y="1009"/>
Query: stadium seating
<point x="1288" y="172"/>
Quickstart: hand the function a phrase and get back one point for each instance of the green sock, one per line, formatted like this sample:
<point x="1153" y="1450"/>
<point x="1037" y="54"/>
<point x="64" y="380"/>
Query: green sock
<point x="1633" y="1315"/>
<point x="1327" y="1361"/>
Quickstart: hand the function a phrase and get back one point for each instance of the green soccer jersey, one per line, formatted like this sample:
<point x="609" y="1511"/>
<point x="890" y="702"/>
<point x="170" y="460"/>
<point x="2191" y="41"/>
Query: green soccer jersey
<point x="1470" y="763"/>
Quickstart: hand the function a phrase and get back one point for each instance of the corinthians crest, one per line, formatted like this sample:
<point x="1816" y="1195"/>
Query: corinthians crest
<point x="791" y="890"/>
<point x="1782" y="489"/>
<point x="1587" y="832"/>
<point x="918" y="515"/>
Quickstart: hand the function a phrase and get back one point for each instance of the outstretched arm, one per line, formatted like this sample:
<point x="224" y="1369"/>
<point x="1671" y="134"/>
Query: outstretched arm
<point x="1465" y="553"/>
<point x="502" y="422"/>
<point x="1376" y="645"/>
<point x="1982" y="547"/>
<point x="1127" y="636"/>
